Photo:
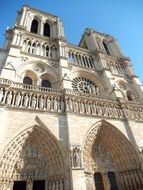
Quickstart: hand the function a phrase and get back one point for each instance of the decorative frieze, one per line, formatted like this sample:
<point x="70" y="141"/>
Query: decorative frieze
<point x="18" y="95"/>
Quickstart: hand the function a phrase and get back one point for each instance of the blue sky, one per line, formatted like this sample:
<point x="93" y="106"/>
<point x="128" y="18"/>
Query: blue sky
<point x="122" y="19"/>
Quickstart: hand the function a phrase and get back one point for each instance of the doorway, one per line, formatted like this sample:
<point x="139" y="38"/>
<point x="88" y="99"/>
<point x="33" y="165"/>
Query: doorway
<point x="39" y="185"/>
<point x="98" y="181"/>
<point x="113" y="182"/>
<point x="19" y="185"/>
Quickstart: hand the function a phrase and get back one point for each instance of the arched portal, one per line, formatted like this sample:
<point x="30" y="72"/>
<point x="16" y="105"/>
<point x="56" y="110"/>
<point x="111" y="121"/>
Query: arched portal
<point x="32" y="160"/>
<point x="110" y="160"/>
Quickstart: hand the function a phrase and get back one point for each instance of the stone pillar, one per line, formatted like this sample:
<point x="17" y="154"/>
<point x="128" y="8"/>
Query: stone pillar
<point x="23" y="16"/>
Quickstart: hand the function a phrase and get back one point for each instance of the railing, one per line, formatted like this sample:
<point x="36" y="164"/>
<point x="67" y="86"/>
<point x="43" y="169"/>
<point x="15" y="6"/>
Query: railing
<point x="17" y="95"/>
<point x="28" y="87"/>
<point x="112" y="64"/>
<point x="80" y="58"/>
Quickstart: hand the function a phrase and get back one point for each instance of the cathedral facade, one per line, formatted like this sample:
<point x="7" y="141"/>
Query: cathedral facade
<point x="71" y="116"/>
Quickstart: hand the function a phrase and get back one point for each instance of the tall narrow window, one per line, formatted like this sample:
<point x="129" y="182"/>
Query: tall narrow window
<point x="46" y="83"/>
<point x="34" y="26"/>
<point x="106" y="48"/>
<point x="46" y="29"/>
<point x="27" y="80"/>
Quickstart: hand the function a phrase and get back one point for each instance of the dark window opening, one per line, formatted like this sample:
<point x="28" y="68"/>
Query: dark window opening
<point x="46" y="83"/>
<point x="19" y="185"/>
<point x="98" y="181"/>
<point x="39" y="185"/>
<point x="27" y="80"/>
<point x="46" y="29"/>
<point x="106" y="48"/>
<point x="112" y="179"/>
<point x="34" y="26"/>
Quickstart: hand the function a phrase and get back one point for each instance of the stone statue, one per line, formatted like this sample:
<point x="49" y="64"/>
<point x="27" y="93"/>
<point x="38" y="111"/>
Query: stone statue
<point x="41" y="102"/>
<point x="1" y="94"/>
<point x="55" y="104"/>
<point x="48" y="103"/>
<point x="76" y="157"/>
<point x="70" y="105"/>
<point x="33" y="101"/>
<point x="26" y="100"/>
<point x="62" y="105"/>
<point x="18" y="99"/>
<point x="9" y="98"/>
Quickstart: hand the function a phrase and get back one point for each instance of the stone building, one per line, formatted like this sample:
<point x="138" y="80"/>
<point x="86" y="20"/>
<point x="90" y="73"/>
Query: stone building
<point x="71" y="116"/>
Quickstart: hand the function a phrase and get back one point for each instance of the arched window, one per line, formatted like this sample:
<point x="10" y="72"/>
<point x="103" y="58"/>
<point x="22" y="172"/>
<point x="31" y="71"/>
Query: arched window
<point x="46" y="29"/>
<point x="34" y="26"/>
<point x="106" y="48"/>
<point x="46" y="83"/>
<point x="27" y="80"/>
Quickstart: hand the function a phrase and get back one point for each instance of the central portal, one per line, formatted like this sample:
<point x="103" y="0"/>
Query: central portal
<point x="39" y="185"/>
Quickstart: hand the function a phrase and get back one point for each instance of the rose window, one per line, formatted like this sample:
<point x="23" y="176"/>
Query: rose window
<point x="84" y="85"/>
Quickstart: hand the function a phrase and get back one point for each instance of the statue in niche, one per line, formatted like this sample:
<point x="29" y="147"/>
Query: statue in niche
<point x="1" y="94"/>
<point x="55" y="104"/>
<point x="62" y="105"/>
<point x="33" y="101"/>
<point x="82" y="108"/>
<point x="9" y="98"/>
<point x="26" y="100"/>
<point x="76" y="157"/>
<point x="18" y="99"/>
<point x="70" y="105"/>
<point x="48" y="103"/>
<point x="41" y="102"/>
<point x="76" y="106"/>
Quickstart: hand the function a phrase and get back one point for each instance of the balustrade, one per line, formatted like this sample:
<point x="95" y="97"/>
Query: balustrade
<point x="80" y="58"/>
<point x="114" y="66"/>
<point x="24" y="96"/>
<point x="40" y="48"/>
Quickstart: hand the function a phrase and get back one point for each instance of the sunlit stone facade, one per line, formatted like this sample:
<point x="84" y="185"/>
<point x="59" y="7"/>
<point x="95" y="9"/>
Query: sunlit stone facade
<point x="71" y="116"/>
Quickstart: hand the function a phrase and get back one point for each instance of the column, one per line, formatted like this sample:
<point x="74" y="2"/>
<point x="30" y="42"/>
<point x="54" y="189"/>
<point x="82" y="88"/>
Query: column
<point x="23" y="16"/>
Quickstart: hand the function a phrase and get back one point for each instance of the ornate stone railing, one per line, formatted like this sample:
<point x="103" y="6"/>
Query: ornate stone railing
<point x="17" y="95"/>
<point x="116" y="67"/>
<point x="79" y="57"/>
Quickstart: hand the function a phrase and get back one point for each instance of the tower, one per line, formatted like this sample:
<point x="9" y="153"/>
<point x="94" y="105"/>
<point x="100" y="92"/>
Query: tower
<point x="71" y="116"/>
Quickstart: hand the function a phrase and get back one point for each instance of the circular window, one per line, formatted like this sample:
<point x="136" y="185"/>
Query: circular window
<point x="84" y="85"/>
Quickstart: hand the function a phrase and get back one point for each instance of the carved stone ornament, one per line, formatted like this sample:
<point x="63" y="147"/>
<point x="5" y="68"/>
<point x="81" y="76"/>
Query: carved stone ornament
<point x="23" y="59"/>
<point x="39" y="68"/>
<point x="83" y="85"/>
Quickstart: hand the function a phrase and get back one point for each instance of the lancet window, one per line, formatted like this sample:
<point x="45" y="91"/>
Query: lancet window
<point x="46" y="30"/>
<point x="40" y="48"/>
<point x="80" y="59"/>
<point x="34" y="26"/>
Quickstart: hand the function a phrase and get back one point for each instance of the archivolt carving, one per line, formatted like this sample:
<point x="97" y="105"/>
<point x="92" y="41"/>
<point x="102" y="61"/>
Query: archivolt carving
<point x="106" y="136"/>
<point x="34" y="154"/>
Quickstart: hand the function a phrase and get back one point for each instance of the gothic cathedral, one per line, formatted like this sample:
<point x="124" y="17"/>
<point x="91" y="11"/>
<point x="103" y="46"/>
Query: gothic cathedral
<point x="71" y="116"/>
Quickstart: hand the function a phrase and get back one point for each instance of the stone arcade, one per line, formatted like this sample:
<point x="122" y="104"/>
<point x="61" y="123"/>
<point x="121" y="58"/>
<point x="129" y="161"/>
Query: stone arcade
<point x="71" y="116"/>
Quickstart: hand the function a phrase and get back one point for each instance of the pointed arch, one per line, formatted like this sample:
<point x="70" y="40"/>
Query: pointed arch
<point x="34" y="152"/>
<point x="34" y="26"/>
<point x="46" y="31"/>
<point x="107" y="150"/>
